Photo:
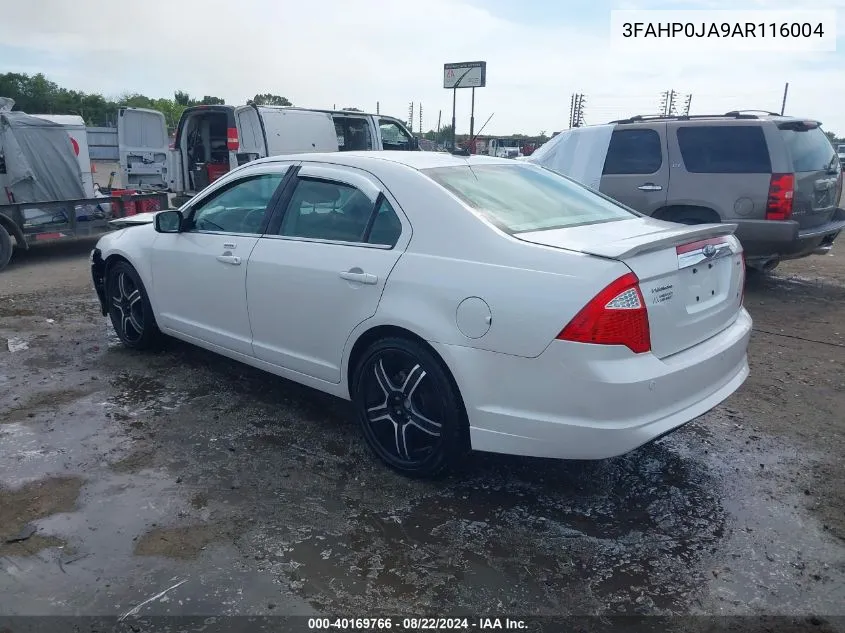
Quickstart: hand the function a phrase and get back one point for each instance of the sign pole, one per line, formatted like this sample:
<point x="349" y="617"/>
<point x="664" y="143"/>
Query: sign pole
<point x="454" y="100"/>
<point x="472" y="115"/>
<point x="453" y="79"/>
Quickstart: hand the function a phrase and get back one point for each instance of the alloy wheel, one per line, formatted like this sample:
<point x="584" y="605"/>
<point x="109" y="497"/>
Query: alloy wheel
<point x="404" y="412"/>
<point x="128" y="306"/>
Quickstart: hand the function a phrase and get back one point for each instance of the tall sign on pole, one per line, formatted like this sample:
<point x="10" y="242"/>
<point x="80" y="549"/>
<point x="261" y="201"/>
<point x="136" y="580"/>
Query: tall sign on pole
<point x="464" y="75"/>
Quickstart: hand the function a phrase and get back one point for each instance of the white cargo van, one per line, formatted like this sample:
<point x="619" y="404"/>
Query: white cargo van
<point x="212" y="140"/>
<point x="75" y="128"/>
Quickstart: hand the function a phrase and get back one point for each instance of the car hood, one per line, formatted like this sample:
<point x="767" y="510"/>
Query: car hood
<point x="133" y="220"/>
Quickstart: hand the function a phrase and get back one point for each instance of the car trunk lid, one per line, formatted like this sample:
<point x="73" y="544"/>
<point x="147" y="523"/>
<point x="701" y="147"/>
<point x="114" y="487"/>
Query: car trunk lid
<point x="691" y="277"/>
<point x="817" y="173"/>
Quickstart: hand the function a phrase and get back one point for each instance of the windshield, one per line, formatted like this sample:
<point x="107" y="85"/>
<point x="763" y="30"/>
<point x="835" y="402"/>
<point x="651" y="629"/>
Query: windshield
<point x="520" y="198"/>
<point x="810" y="149"/>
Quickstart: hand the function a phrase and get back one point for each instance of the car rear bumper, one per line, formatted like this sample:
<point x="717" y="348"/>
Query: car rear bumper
<point x="767" y="239"/>
<point x="578" y="401"/>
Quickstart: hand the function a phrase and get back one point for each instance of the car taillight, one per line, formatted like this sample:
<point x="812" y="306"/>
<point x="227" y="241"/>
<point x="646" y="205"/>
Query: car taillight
<point x="616" y="316"/>
<point x="742" y="281"/>
<point x="781" y="191"/>
<point x="232" y="139"/>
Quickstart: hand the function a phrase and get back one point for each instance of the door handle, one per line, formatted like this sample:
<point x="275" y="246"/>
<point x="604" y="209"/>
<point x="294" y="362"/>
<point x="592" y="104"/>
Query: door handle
<point x="234" y="260"/>
<point x="650" y="186"/>
<point x="361" y="278"/>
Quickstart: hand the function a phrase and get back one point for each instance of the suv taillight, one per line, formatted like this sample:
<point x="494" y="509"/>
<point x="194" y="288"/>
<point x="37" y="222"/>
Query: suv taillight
<point x="781" y="191"/>
<point x="615" y="316"/>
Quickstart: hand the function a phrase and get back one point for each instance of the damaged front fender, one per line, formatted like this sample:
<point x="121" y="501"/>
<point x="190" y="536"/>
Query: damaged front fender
<point x="98" y="275"/>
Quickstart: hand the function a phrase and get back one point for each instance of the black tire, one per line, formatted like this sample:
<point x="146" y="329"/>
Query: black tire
<point x="129" y="308"/>
<point x="416" y="422"/>
<point x="5" y="247"/>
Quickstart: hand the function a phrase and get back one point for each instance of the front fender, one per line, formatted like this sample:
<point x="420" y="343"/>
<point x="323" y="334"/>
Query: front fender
<point x="133" y="245"/>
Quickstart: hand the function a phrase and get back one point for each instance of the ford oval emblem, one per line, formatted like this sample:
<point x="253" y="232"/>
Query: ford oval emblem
<point x="709" y="250"/>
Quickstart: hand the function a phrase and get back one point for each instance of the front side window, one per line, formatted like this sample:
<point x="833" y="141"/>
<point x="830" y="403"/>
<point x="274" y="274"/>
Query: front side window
<point x="633" y="152"/>
<point x="394" y="136"/>
<point x="238" y="208"/>
<point x="724" y="149"/>
<point x="523" y="197"/>
<point x="327" y="210"/>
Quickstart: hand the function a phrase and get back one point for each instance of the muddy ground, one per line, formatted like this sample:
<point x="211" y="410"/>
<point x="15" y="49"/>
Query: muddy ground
<point x="123" y="475"/>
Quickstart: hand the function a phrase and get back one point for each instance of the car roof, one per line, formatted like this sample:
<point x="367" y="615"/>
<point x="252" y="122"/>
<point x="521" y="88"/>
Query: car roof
<point x="709" y="119"/>
<point x="368" y="159"/>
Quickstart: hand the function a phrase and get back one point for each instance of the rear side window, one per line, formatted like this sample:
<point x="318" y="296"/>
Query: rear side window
<point x="810" y="150"/>
<point x="724" y="149"/>
<point x="633" y="152"/>
<point x="324" y="210"/>
<point x="525" y="197"/>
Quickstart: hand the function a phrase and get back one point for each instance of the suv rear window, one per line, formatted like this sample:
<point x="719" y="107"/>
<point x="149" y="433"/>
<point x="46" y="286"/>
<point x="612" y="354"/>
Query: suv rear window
<point x="633" y="152"/>
<point x="810" y="149"/>
<point x="724" y="149"/>
<point x="521" y="198"/>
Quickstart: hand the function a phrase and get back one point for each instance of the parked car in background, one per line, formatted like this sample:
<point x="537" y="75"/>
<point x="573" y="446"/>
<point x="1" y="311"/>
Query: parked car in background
<point x="528" y="315"/>
<point x="214" y="139"/>
<point x="777" y="178"/>
<point x="840" y="151"/>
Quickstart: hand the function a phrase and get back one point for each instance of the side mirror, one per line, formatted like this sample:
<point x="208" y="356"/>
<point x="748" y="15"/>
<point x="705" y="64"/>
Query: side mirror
<point x="168" y="221"/>
<point x="415" y="143"/>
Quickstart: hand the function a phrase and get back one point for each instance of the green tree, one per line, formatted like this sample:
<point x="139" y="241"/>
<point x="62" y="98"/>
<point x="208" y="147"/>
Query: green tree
<point x="269" y="99"/>
<point x="182" y="98"/>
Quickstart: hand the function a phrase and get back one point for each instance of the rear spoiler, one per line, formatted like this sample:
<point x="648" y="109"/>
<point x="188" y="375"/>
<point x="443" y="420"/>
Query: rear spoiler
<point x="670" y="238"/>
<point x="799" y="126"/>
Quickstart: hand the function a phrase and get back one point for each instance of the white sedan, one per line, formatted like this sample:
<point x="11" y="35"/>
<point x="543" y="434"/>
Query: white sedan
<point x="459" y="302"/>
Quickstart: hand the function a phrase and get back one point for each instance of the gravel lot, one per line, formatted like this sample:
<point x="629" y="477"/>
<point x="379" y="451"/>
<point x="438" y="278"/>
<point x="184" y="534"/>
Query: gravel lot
<point x="125" y="474"/>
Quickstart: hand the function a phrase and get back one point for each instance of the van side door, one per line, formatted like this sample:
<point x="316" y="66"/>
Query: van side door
<point x="250" y="134"/>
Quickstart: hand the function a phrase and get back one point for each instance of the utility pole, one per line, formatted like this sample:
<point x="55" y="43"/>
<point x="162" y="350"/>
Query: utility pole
<point x="576" y="110"/>
<point x="578" y="114"/>
<point x="411" y="116"/>
<point x="783" y="105"/>
<point x="687" y="103"/>
<point x="437" y="134"/>
<point x="377" y="108"/>
<point x="420" y="130"/>
<point x="668" y="103"/>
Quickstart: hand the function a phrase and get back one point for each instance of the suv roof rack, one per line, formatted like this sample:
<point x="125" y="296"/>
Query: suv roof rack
<point x="733" y="114"/>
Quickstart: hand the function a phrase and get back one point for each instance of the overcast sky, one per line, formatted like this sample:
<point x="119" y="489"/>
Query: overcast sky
<point x="321" y="53"/>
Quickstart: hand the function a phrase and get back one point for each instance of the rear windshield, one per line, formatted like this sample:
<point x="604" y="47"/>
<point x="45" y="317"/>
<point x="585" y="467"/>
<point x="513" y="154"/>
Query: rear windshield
<point x="521" y="197"/>
<point x="810" y="149"/>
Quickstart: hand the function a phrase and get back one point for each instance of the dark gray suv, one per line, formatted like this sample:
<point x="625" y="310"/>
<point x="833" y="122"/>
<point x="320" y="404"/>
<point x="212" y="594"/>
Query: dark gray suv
<point x="778" y="178"/>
